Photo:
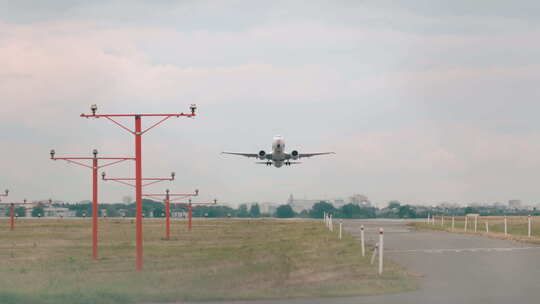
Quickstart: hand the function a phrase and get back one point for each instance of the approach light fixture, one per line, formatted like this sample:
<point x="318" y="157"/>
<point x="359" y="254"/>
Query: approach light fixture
<point x="52" y="153"/>
<point x="7" y="191"/>
<point x="93" y="108"/>
<point x="95" y="153"/>
<point x="172" y="175"/>
<point x="196" y="192"/>
<point x="193" y="108"/>
<point x="103" y="175"/>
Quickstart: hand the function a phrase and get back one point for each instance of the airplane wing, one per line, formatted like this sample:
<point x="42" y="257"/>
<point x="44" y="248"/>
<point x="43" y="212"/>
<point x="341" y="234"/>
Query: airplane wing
<point x="302" y="155"/>
<point x="290" y="163"/>
<point x="242" y="154"/>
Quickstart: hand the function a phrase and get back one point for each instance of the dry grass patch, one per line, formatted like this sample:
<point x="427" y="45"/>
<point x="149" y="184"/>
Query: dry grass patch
<point x="517" y="227"/>
<point x="48" y="261"/>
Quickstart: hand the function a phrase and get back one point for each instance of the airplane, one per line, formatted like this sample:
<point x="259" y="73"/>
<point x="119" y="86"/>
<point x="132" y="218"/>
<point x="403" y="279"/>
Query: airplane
<point x="278" y="157"/>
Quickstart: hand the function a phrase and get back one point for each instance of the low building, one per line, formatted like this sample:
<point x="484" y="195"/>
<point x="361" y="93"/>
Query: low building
<point x="51" y="211"/>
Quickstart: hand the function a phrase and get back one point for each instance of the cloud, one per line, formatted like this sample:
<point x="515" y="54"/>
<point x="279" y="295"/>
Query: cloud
<point x="417" y="107"/>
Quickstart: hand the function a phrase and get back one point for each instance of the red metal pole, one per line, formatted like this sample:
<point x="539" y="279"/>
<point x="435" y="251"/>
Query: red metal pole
<point x="95" y="209"/>
<point x="12" y="216"/>
<point x="138" y="194"/>
<point x="190" y="211"/>
<point x="168" y="216"/>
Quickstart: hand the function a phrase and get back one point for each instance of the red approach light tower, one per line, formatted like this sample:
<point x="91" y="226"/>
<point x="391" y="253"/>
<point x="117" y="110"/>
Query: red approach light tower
<point x="138" y="132"/>
<point x="168" y="206"/>
<point x="190" y="205"/>
<point x="12" y="211"/>
<point x="94" y="167"/>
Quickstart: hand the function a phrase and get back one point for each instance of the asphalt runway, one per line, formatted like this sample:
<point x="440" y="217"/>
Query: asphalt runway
<point x="454" y="268"/>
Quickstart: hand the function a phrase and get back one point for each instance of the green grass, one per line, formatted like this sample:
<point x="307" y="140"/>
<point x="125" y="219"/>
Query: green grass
<point x="48" y="261"/>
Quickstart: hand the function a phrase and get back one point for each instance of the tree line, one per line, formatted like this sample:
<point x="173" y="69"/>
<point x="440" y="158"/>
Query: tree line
<point x="394" y="209"/>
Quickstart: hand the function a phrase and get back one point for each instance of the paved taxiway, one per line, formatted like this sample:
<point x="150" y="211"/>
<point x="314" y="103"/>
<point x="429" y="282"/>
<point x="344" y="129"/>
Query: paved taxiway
<point x="455" y="268"/>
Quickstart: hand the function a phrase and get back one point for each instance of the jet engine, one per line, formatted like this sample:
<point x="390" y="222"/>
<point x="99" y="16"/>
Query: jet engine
<point x="295" y="155"/>
<point x="262" y="155"/>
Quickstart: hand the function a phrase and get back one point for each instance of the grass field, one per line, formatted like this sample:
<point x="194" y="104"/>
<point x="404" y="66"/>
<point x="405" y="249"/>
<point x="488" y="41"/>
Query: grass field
<point x="48" y="261"/>
<point x="517" y="226"/>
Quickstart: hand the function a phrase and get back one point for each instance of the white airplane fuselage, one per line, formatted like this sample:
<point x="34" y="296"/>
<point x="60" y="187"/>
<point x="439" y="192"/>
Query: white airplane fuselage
<point x="278" y="151"/>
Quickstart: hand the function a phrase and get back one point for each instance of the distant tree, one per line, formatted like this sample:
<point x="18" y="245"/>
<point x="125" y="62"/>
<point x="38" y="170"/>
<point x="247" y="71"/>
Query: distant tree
<point x="285" y="211"/>
<point x="159" y="211"/>
<point x="20" y="211"/>
<point x="212" y="211"/>
<point x="37" y="211"/>
<point x="356" y="211"/>
<point x="393" y="205"/>
<point x="406" y="211"/>
<point x="304" y="213"/>
<point x="318" y="209"/>
<point x="242" y="211"/>
<point x="254" y="210"/>
<point x="470" y="210"/>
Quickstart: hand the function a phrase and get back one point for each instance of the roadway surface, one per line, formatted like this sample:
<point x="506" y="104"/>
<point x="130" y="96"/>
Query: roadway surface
<point x="455" y="268"/>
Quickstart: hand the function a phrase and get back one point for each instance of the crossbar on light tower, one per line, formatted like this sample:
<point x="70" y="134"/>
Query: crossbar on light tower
<point x="126" y="180"/>
<point x="138" y="132"/>
<point x="94" y="167"/>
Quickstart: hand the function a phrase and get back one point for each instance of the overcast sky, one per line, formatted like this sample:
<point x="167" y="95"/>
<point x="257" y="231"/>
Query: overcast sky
<point x="423" y="101"/>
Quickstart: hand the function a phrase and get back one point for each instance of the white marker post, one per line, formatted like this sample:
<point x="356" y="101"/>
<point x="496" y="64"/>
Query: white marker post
<point x="374" y="253"/>
<point x="428" y="218"/>
<point x="433" y="220"/>
<point x="331" y="223"/>
<point x="466" y="219"/>
<point x="453" y="223"/>
<point x="442" y="220"/>
<point x="529" y="226"/>
<point x="340" y="227"/>
<point x="475" y="222"/>
<point x="362" y="241"/>
<point x="381" y="249"/>
<point x="324" y="217"/>
<point x="505" y="226"/>
<point x="328" y="221"/>
<point x="487" y="227"/>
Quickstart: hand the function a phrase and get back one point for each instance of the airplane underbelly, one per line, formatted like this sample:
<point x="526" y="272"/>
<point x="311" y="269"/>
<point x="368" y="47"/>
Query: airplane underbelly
<point x="278" y="156"/>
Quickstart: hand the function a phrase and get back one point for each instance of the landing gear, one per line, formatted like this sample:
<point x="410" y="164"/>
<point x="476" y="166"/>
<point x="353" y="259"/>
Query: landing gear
<point x="268" y="163"/>
<point x="287" y="163"/>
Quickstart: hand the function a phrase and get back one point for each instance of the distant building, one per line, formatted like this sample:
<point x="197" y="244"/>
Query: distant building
<point x="339" y="202"/>
<point x="514" y="203"/>
<point x="268" y="207"/>
<point x="51" y="211"/>
<point x="298" y="205"/>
